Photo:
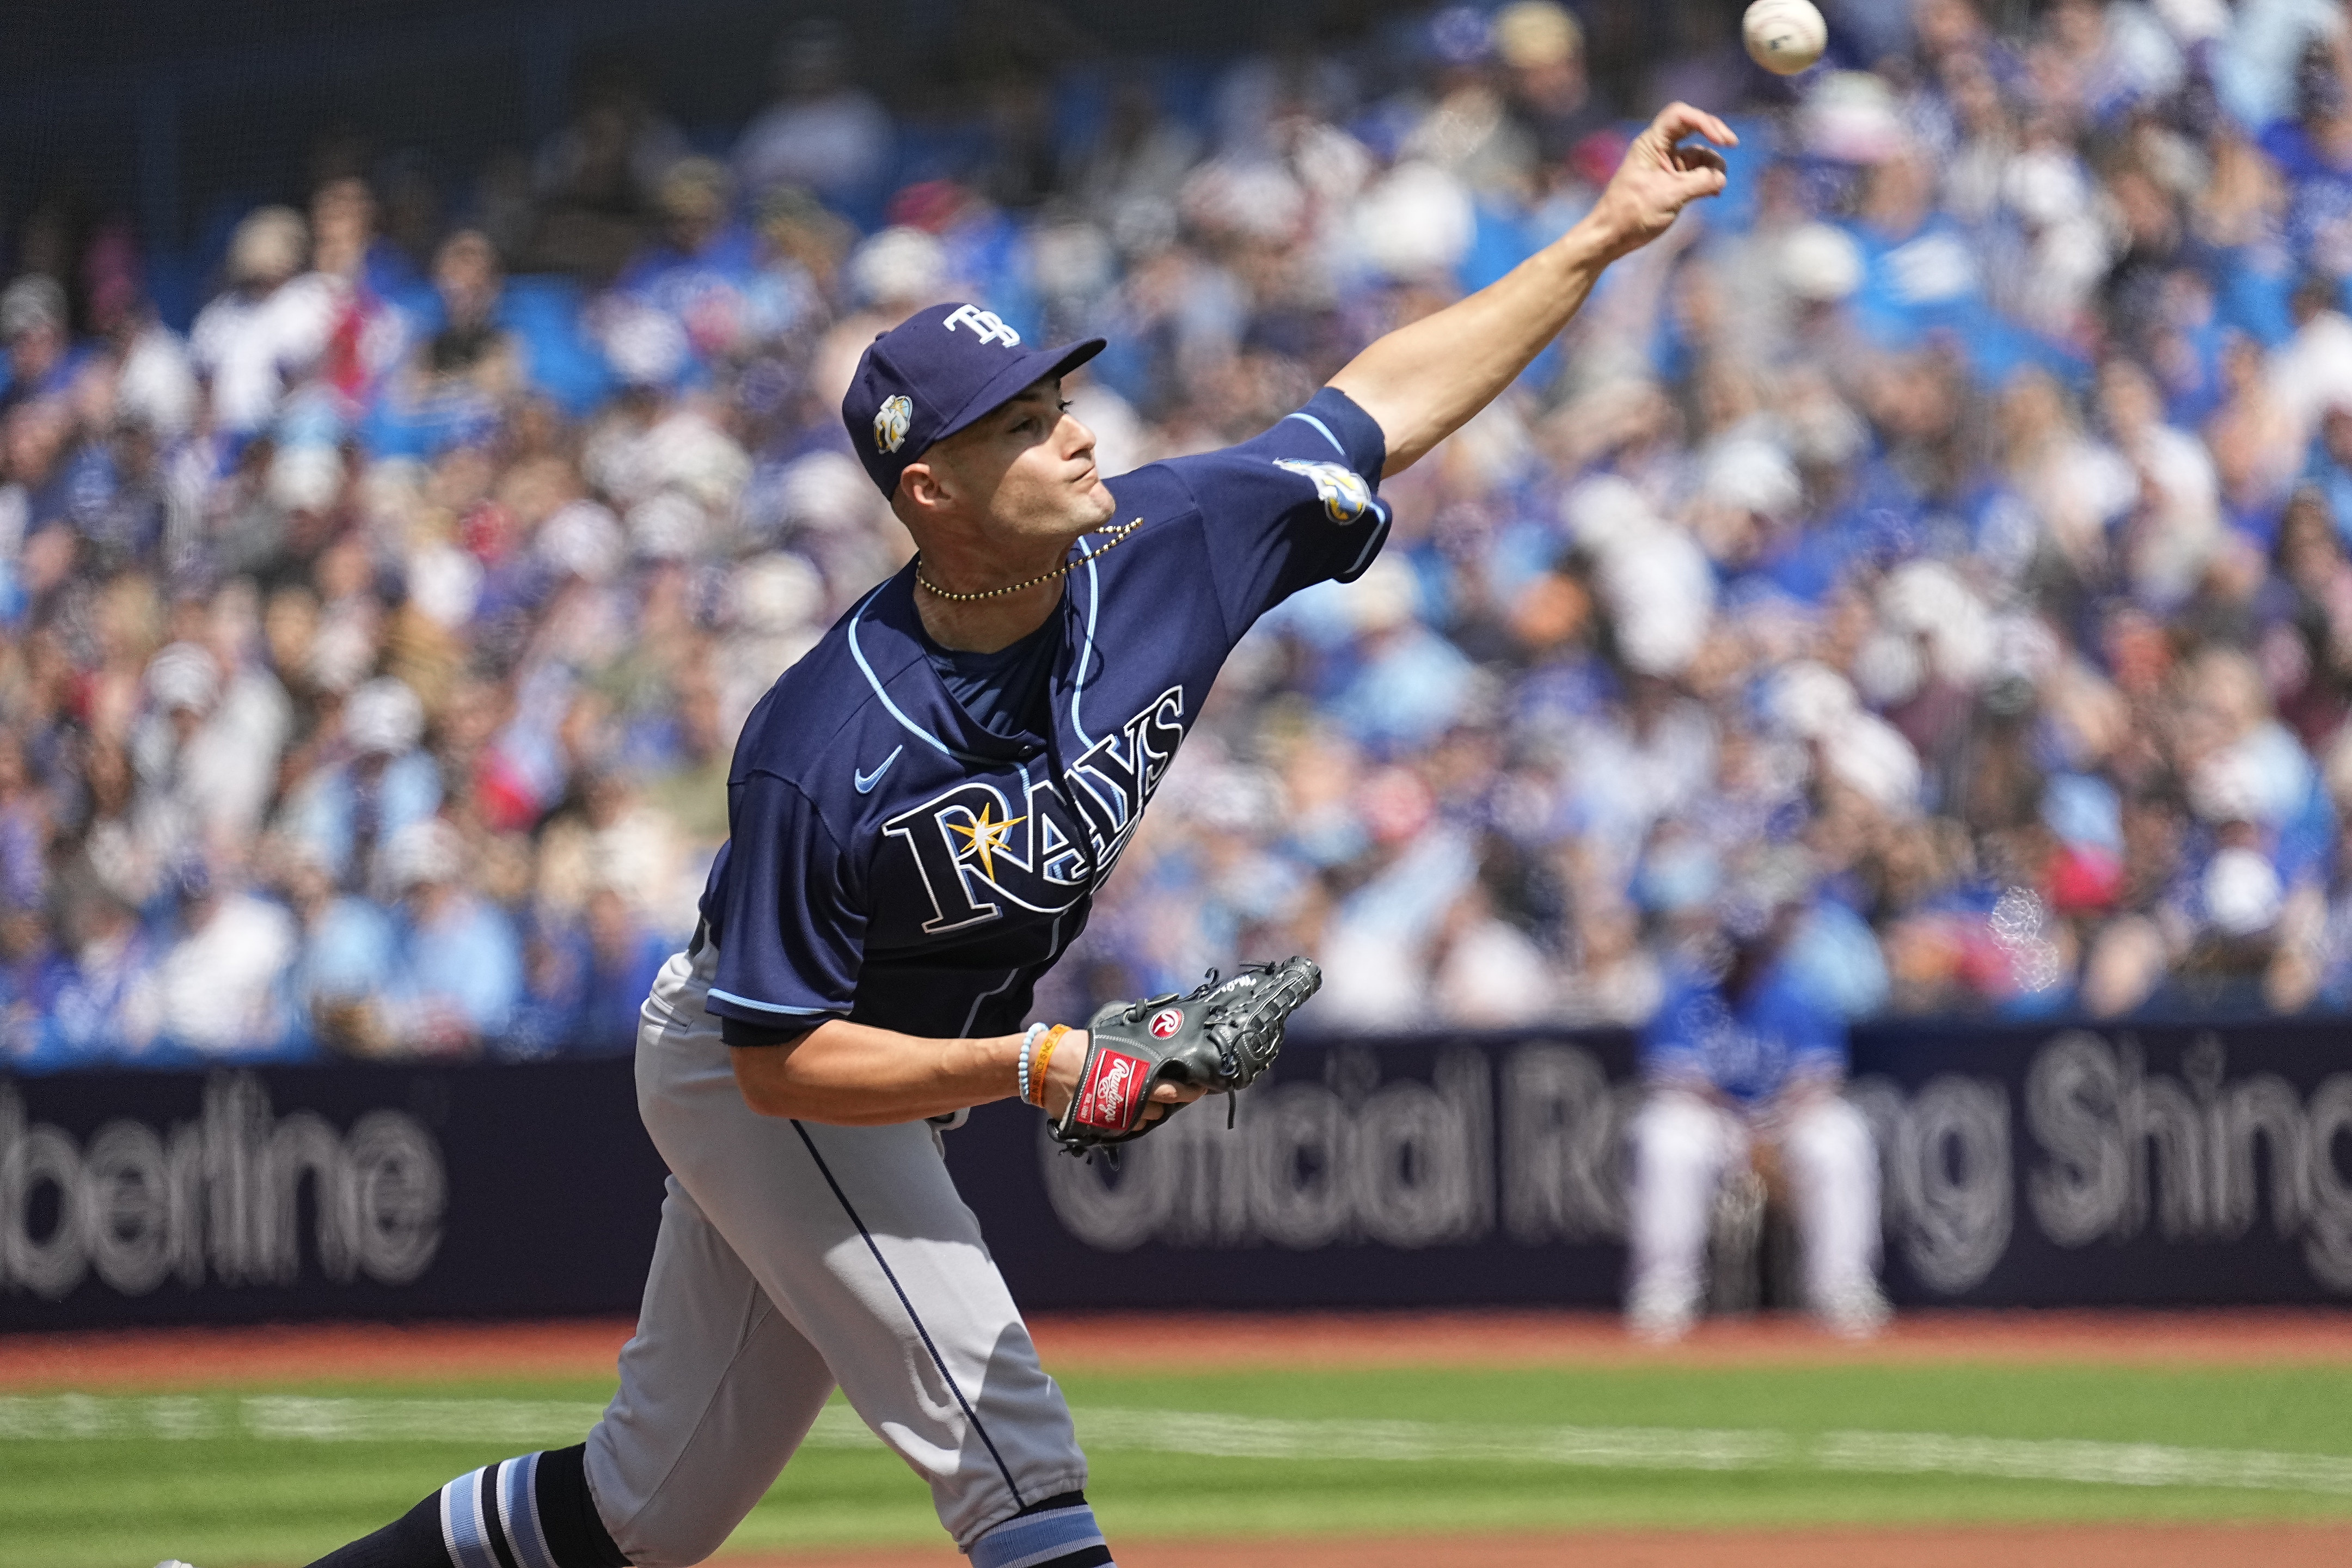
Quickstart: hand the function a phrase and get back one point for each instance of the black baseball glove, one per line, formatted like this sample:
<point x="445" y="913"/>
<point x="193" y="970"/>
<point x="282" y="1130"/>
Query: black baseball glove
<point x="1218" y="1040"/>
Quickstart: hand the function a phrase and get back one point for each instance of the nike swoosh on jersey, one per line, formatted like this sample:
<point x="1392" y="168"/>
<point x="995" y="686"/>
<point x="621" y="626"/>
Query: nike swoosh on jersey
<point x="866" y="781"/>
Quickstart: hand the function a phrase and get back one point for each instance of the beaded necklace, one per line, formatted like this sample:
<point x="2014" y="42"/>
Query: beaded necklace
<point x="1117" y="537"/>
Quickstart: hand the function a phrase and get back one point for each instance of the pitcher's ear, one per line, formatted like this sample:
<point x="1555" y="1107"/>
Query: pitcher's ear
<point x="921" y="485"/>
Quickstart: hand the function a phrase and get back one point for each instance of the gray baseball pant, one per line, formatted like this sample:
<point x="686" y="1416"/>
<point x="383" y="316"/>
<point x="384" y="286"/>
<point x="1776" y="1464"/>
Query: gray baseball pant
<point x="793" y="1257"/>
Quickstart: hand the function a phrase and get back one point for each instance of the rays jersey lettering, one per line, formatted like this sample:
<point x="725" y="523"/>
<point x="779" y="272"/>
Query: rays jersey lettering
<point x="891" y="861"/>
<point x="978" y="848"/>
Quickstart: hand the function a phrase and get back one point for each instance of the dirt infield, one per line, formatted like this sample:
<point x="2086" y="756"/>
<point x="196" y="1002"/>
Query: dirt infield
<point x="2186" y="1546"/>
<point x="184" y="1358"/>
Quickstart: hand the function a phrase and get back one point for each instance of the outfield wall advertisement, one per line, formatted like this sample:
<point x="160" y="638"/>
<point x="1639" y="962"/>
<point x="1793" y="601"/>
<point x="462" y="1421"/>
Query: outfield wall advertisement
<point x="2061" y="1166"/>
<point x="337" y="1192"/>
<point x="2050" y="1166"/>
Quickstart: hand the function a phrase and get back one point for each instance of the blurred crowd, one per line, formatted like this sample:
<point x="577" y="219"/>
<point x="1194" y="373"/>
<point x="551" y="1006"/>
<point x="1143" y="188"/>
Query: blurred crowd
<point x="1955" y="511"/>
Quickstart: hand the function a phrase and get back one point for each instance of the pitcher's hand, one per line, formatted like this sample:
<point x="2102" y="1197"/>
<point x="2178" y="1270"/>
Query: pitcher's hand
<point x="1660" y="176"/>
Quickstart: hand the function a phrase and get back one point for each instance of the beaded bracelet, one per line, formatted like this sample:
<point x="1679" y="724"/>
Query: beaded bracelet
<point x="1028" y="1042"/>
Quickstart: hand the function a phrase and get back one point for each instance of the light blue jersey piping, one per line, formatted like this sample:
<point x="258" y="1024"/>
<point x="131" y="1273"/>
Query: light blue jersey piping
<point x="912" y="728"/>
<point x="1318" y="424"/>
<point x="1381" y="510"/>
<point x="1087" y="649"/>
<point x="775" y="1007"/>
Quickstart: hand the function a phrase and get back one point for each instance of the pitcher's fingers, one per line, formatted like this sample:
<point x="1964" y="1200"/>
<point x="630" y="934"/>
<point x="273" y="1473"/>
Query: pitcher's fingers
<point x="1698" y="156"/>
<point x="1700" y="183"/>
<point x="1676" y="120"/>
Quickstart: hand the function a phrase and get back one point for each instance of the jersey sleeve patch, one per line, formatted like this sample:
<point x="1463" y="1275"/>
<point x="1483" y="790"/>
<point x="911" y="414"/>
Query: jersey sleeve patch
<point x="1345" y="495"/>
<point x="1296" y="505"/>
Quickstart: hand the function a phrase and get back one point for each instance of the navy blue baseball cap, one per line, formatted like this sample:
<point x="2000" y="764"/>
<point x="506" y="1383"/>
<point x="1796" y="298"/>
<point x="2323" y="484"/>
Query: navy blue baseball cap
<point x="935" y="373"/>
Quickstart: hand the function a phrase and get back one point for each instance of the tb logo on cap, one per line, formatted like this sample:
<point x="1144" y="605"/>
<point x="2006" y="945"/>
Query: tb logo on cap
<point x="985" y="325"/>
<point x="891" y="422"/>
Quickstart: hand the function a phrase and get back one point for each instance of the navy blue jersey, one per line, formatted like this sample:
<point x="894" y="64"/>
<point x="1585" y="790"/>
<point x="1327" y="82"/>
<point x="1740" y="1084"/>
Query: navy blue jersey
<point x="894" y="862"/>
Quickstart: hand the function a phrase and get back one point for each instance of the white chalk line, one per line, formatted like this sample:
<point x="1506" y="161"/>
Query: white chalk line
<point x="526" y="1422"/>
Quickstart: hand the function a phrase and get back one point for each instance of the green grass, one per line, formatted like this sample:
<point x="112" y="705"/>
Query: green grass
<point x="243" y="1501"/>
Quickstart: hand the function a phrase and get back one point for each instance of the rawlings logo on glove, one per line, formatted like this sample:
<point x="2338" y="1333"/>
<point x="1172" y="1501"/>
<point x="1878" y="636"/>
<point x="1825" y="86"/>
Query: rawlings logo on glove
<point x="1218" y="1040"/>
<point x="1107" y="1095"/>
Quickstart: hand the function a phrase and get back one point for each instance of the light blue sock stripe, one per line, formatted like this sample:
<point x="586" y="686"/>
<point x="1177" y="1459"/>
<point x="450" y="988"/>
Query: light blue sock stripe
<point x="1038" y="1538"/>
<point x="518" y="1508"/>
<point x="443" y="1496"/>
<point x="462" y="1529"/>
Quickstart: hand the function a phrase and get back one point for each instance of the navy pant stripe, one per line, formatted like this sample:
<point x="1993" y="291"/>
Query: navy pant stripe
<point x="912" y="1316"/>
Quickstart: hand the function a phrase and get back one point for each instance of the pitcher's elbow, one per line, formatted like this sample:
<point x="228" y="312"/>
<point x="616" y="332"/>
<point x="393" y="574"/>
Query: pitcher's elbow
<point x="761" y="1076"/>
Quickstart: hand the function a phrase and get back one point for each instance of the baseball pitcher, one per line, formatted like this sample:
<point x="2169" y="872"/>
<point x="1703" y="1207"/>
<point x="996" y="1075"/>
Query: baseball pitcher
<point x="921" y="813"/>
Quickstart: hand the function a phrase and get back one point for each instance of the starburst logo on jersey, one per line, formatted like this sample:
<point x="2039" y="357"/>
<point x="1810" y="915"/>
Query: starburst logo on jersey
<point x="1345" y="494"/>
<point x="983" y="837"/>
<point x="890" y="422"/>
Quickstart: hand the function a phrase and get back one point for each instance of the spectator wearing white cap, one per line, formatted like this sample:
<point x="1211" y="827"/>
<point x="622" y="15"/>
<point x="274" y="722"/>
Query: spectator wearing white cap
<point x="381" y="783"/>
<point x="182" y="688"/>
<point x="271" y="323"/>
<point x="212" y="741"/>
<point x="34" y="330"/>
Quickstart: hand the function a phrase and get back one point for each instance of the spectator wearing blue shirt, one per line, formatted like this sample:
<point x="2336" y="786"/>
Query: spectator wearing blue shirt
<point x="1743" y="1063"/>
<point x="2330" y="470"/>
<point x="2314" y="154"/>
<point x="459" y="964"/>
<point x="623" y="957"/>
<point x="345" y="951"/>
<point x="699" y="272"/>
<point x="384" y="784"/>
<point x="112" y="955"/>
<point x="31" y="971"/>
<point x="466" y="369"/>
<point x="584" y="980"/>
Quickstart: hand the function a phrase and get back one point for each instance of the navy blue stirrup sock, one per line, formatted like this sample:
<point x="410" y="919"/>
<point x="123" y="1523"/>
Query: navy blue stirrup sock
<point x="1059" y="1533"/>
<point x="412" y="1541"/>
<point x="531" y="1512"/>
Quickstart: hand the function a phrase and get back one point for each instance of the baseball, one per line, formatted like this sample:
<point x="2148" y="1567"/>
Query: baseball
<point x="1784" y="36"/>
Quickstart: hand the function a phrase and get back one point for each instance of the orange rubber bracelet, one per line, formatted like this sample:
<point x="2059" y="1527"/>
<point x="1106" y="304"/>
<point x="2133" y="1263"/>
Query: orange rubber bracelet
<point x="1037" y="1063"/>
